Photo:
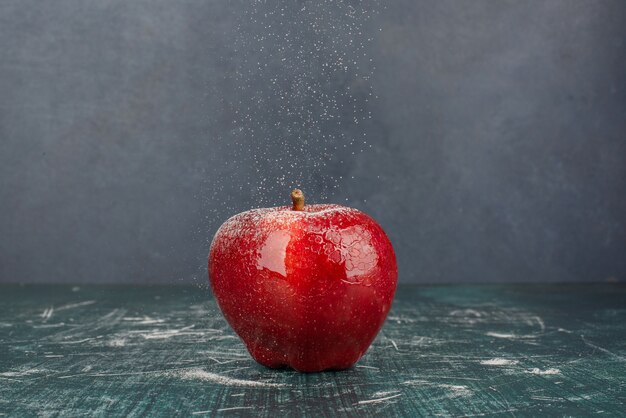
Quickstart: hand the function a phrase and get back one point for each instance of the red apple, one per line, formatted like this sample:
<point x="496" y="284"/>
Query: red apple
<point x="306" y="287"/>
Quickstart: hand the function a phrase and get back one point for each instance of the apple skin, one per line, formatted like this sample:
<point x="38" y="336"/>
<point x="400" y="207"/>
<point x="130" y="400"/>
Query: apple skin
<point x="307" y="289"/>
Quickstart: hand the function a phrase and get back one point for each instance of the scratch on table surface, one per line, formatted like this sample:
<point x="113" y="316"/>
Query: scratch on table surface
<point x="224" y="337"/>
<point x="169" y="333"/>
<point x="43" y="326"/>
<point x="223" y="362"/>
<point x="360" y="366"/>
<point x="438" y="377"/>
<point x="509" y="336"/>
<point x="502" y="411"/>
<point x="235" y="370"/>
<point x="394" y="345"/>
<point x="380" y="393"/>
<point x="75" y="305"/>
<point x="90" y="354"/>
<point x="22" y="373"/>
<point x="457" y="390"/>
<point x="84" y="340"/>
<point x="422" y="341"/>
<point x="226" y="356"/>
<point x="547" y="398"/>
<point x="215" y="330"/>
<point x="144" y="320"/>
<point x="542" y="325"/>
<point x="47" y="313"/>
<point x="579" y="398"/>
<point x="114" y="316"/>
<point x="499" y="362"/>
<point x="604" y="350"/>
<point x="105" y="321"/>
<point x="378" y="400"/>
<point x="539" y="372"/>
<point x="233" y="408"/>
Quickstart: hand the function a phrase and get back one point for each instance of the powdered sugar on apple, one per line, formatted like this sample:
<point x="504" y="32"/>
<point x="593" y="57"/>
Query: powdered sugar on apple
<point x="350" y="246"/>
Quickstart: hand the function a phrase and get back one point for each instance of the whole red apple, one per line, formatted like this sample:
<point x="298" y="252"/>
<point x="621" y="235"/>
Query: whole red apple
<point x="306" y="287"/>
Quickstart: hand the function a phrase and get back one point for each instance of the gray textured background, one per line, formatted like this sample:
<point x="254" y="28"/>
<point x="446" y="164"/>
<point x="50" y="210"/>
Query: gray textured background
<point x="495" y="151"/>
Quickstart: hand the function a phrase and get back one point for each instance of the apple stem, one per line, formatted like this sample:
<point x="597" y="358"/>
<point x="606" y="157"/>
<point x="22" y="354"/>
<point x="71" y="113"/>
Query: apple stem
<point x="297" y="197"/>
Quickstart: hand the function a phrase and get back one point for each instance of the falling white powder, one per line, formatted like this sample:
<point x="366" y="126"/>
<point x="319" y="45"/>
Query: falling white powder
<point x="298" y="101"/>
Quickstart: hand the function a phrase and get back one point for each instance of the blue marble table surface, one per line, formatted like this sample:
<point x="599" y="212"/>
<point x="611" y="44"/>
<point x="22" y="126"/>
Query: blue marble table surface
<point x="457" y="351"/>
